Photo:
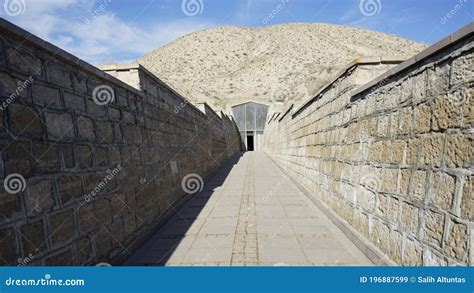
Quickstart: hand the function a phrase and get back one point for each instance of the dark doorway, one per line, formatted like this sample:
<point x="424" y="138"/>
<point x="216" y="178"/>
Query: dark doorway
<point x="250" y="143"/>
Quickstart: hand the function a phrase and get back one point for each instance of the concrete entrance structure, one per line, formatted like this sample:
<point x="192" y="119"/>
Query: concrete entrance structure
<point x="250" y="118"/>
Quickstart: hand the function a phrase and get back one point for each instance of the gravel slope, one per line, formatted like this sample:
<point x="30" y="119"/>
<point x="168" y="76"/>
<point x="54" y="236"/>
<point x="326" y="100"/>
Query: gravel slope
<point x="275" y="64"/>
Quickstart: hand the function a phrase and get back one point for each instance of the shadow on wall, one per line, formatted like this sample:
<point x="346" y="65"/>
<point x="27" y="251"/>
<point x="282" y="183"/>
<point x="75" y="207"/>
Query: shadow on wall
<point x="159" y="248"/>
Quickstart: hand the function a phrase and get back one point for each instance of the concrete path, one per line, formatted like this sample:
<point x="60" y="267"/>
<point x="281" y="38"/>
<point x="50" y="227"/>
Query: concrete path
<point x="249" y="214"/>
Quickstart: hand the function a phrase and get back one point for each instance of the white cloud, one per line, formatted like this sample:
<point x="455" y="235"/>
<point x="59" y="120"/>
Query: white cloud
<point x="90" y="30"/>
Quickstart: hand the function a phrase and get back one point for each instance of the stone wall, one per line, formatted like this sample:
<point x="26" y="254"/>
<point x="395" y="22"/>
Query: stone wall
<point x="100" y="168"/>
<point x="394" y="158"/>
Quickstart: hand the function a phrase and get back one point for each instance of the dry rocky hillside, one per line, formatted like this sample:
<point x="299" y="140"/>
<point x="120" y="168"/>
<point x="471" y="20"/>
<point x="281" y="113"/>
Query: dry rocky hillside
<point x="275" y="64"/>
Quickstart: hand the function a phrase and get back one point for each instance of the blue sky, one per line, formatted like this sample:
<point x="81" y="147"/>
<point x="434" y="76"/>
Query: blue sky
<point x="114" y="31"/>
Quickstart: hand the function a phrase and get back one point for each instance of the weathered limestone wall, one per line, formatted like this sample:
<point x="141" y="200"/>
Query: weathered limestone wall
<point x="98" y="172"/>
<point x="393" y="159"/>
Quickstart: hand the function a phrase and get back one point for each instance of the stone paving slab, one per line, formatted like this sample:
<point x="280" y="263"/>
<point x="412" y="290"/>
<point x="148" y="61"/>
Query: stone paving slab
<point x="250" y="214"/>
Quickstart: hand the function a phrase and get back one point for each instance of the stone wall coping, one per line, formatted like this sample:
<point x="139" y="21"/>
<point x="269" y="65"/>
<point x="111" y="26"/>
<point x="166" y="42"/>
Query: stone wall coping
<point x="208" y="108"/>
<point x="423" y="55"/>
<point x="271" y="117"/>
<point x="249" y="101"/>
<point x="139" y="67"/>
<point x="354" y="63"/>
<point x="19" y="33"/>
<point x="288" y="111"/>
<point x="56" y="52"/>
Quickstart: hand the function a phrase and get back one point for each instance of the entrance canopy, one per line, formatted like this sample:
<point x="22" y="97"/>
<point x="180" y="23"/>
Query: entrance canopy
<point x="250" y="118"/>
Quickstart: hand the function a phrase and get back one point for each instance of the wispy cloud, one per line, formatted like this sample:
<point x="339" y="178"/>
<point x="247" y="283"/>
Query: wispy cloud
<point x="92" y="31"/>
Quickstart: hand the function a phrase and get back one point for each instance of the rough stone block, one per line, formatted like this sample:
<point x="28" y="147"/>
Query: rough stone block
<point x="446" y="113"/>
<point x="130" y="225"/>
<point x="105" y="132"/>
<point x="62" y="226"/>
<point x="85" y="128"/>
<point x="412" y="253"/>
<point x="46" y="158"/>
<point x="432" y="150"/>
<point x="119" y="205"/>
<point x="382" y="206"/>
<point x="380" y="236"/>
<point x="18" y="157"/>
<point x="438" y="79"/>
<point x="58" y="74"/>
<point x="101" y="154"/>
<point x="432" y="258"/>
<point x="469" y="108"/>
<point x="47" y="96"/>
<point x="74" y="102"/>
<point x="79" y="82"/>
<point x="83" y="250"/>
<point x="117" y="232"/>
<point x="442" y="189"/>
<point x="394" y="151"/>
<point x="462" y="70"/>
<point x="459" y="152"/>
<point x="40" y="196"/>
<point x="103" y="243"/>
<point x="409" y="218"/>
<point x="25" y="121"/>
<point x="9" y="204"/>
<point x="434" y="227"/>
<point x="12" y="88"/>
<point x="383" y="126"/>
<point x="422" y="118"/>
<point x="69" y="187"/>
<point x="455" y="243"/>
<point x="33" y="237"/>
<point x="87" y="219"/>
<point x="7" y="247"/>
<point x="411" y="157"/>
<point x="467" y="202"/>
<point x="84" y="156"/>
<point x="393" y="210"/>
<point x="418" y="185"/>
<point x="59" y="126"/>
<point x="406" y="121"/>
<point x="22" y="60"/>
<point x="67" y="152"/>
<point x="96" y="111"/>
<point x="396" y="242"/>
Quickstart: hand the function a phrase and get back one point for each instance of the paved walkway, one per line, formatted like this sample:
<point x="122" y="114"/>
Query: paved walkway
<point x="249" y="214"/>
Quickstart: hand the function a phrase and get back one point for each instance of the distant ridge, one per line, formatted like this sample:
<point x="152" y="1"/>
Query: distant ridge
<point x="276" y="64"/>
